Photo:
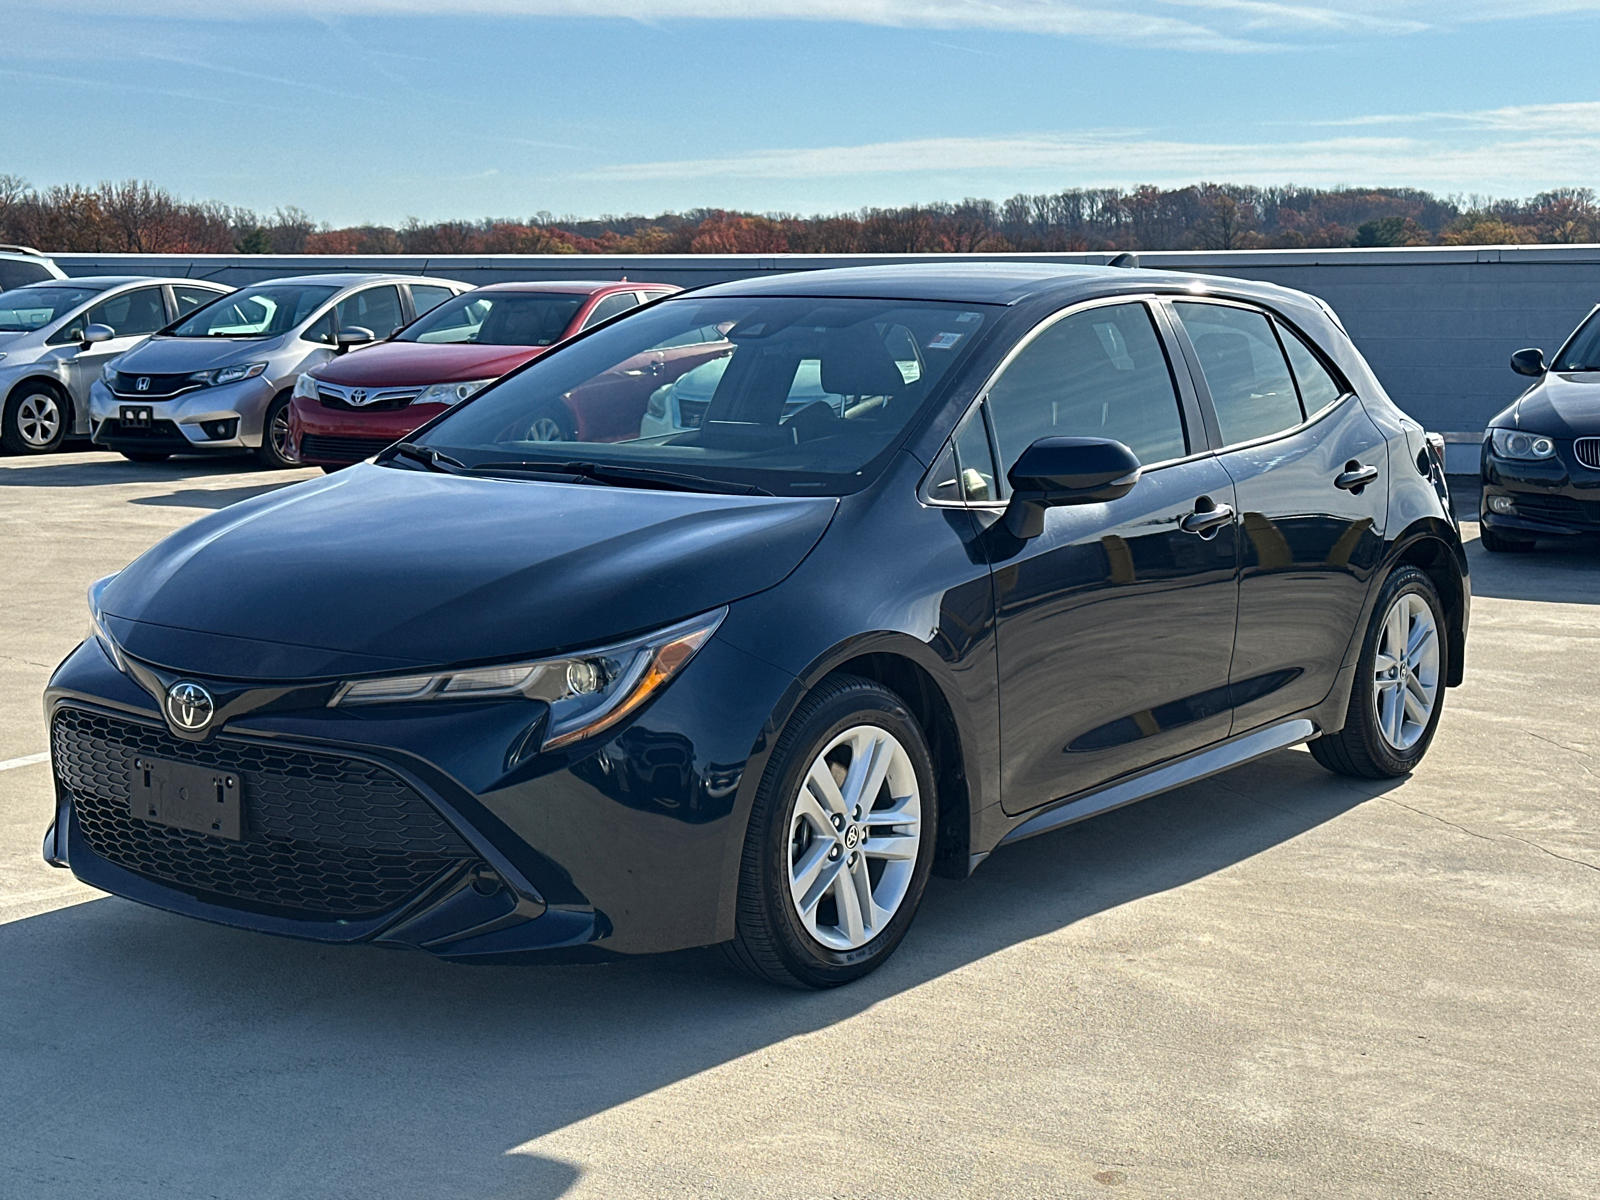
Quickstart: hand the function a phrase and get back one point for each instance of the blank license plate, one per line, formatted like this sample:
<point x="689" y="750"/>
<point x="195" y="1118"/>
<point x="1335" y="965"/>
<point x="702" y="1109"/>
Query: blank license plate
<point x="200" y="799"/>
<point x="135" y="418"/>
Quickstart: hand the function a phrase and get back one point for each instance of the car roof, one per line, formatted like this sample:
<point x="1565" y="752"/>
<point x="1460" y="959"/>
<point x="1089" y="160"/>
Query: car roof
<point x="107" y="281"/>
<point x="344" y="279"/>
<point x="987" y="281"/>
<point x="587" y="287"/>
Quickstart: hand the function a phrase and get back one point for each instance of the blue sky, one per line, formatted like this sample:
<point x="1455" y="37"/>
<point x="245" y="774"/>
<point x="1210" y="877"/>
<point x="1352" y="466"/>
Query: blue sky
<point x="376" y="110"/>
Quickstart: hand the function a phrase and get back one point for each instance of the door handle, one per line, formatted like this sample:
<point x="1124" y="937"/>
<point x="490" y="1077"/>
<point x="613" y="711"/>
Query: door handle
<point x="1355" y="476"/>
<point x="1203" y="521"/>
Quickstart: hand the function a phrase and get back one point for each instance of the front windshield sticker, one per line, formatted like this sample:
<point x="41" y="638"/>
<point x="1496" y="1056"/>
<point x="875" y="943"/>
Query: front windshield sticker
<point x="945" y="341"/>
<point x="967" y="318"/>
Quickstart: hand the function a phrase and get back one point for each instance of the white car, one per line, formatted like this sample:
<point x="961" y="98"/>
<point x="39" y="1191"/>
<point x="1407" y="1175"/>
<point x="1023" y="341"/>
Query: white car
<point x="57" y="336"/>
<point x="22" y="265"/>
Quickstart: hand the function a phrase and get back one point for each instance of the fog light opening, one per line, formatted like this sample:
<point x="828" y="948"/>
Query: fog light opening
<point x="1504" y="505"/>
<point x="486" y="881"/>
<point x="221" y="431"/>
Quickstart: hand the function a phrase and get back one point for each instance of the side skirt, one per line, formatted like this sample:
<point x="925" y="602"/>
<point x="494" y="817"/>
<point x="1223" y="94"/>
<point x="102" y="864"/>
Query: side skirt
<point x="1221" y="757"/>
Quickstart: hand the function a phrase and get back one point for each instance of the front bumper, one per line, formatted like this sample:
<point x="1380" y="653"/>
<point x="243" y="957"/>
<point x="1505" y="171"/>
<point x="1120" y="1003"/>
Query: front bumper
<point x="324" y="436"/>
<point x="402" y="825"/>
<point x="176" y="424"/>
<point x="1553" y="497"/>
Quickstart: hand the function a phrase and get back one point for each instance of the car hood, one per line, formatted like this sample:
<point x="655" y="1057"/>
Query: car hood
<point x="398" y="364"/>
<point x="174" y="355"/>
<point x="379" y="568"/>
<point x="1562" y="406"/>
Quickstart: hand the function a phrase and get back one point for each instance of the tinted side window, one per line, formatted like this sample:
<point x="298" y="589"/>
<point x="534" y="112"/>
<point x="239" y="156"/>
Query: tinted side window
<point x="377" y="309"/>
<point x="131" y="313"/>
<point x="1244" y="369"/>
<point x="1099" y="373"/>
<point x="617" y="302"/>
<point x="320" y="331"/>
<point x="16" y="274"/>
<point x="426" y="297"/>
<point x="190" y="298"/>
<point x="1318" y="388"/>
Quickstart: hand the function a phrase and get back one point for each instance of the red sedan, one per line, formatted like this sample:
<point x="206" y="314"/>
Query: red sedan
<point x="354" y="405"/>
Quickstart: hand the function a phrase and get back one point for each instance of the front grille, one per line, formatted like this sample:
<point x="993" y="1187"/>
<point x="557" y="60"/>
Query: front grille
<point x="371" y="399"/>
<point x="316" y="447"/>
<point x="1563" y="510"/>
<point x="692" y="412"/>
<point x="323" y="836"/>
<point x="1588" y="451"/>
<point x="159" y="437"/>
<point x="157" y="387"/>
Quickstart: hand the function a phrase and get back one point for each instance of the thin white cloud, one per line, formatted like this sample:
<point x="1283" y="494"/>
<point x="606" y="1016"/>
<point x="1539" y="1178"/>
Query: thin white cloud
<point x="1579" y="118"/>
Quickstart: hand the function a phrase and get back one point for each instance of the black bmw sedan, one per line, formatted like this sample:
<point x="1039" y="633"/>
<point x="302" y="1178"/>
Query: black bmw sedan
<point x="1541" y="456"/>
<point x="936" y="559"/>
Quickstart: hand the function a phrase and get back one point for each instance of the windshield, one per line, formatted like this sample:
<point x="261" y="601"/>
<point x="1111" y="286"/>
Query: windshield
<point x="1582" y="351"/>
<point x="256" y="312"/>
<point x="27" y="308"/>
<point x="498" y="319"/>
<point x="792" y="396"/>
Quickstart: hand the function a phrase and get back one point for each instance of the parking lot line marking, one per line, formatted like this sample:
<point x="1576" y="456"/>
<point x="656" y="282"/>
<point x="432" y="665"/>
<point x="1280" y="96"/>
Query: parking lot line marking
<point x="27" y="760"/>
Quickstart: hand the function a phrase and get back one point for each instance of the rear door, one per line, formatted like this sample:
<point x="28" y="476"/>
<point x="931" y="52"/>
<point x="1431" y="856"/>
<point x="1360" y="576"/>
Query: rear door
<point x="1311" y="474"/>
<point x="1115" y="626"/>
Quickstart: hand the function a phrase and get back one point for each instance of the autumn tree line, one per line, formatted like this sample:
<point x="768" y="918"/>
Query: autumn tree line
<point x="139" y="217"/>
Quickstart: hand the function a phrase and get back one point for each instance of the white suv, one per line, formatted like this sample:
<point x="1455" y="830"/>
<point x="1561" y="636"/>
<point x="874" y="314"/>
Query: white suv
<point x="22" y="265"/>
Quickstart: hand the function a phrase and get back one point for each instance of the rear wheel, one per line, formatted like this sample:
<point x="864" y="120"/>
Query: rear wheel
<point x="1498" y="543"/>
<point x="35" y="420"/>
<point x="1399" y="689"/>
<point x="274" y="449"/>
<point x="840" y="842"/>
<point x="140" y="456"/>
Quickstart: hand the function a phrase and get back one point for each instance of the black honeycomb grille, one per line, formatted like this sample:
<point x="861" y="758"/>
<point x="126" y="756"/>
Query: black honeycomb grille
<point x="324" y="837"/>
<point x="321" y="448"/>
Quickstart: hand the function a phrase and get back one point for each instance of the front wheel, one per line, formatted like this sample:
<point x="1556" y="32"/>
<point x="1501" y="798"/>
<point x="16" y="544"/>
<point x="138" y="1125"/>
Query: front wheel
<point x="840" y="842"/>
<point x="1399" y="689"/>
<point x="274" y="449"/>
<point x="35" y="420"/>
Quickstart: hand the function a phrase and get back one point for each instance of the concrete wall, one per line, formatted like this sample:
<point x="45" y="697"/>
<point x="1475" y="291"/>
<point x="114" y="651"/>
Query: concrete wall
<point x="1436" y="323"/>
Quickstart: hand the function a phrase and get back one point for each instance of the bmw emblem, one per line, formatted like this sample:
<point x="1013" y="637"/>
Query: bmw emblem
<point x="189" y="706"/>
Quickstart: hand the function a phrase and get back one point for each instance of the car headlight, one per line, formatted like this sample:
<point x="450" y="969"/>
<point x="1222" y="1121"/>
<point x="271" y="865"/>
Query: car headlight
<point x="218" y="376"/>
<point x="1514" y="443"/>
<point x="97" y="624"/>
<point x="305" y="387"/>
<point x="587" y="693"/>
<point x="451" y="393"/>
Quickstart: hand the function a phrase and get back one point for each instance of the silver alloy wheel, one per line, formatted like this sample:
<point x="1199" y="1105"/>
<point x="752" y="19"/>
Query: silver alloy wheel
<point x="853" y="837"/>
<point x="39" y="419"/>
<point x="1405" y="672"/>
<point x="547" y="429"/>
<point x="279" y="433"/>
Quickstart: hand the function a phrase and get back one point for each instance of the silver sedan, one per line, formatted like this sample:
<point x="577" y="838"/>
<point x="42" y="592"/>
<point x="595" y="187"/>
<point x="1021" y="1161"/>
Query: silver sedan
<point x="220" y="381"/>
<point x="56" y="336"/>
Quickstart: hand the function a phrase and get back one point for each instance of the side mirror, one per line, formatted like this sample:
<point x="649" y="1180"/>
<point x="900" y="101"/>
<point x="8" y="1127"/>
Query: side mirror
<point x="354" y="335"/>
<point x="1528" y="362"/>
<point x="1066" y="470"/>
<point x="98" y="333"/>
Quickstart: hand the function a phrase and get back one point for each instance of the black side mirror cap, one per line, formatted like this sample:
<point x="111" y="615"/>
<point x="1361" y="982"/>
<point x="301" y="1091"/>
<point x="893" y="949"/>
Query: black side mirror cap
<point x="1066" y="470"/>
<point x="1529" y="362"/>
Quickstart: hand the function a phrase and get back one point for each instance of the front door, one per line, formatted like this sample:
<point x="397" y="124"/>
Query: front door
<point x="1311" y="473"/>
<point x="134" y="315"/>
<point x="1115" y="626"/>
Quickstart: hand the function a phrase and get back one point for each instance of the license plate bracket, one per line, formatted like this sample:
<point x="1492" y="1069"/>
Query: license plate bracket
<point x="136" y="417"/>
<point x="200" y="799"/>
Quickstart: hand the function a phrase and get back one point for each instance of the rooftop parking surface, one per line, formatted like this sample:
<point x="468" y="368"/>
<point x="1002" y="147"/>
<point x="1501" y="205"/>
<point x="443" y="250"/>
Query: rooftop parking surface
<point x="1273" y="983"/>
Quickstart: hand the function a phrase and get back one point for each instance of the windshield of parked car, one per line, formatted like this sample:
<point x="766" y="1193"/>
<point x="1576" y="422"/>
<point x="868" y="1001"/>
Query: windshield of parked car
<point x="26" y="308"/>
<point x="1581" y="353"/>
<point x="808" y="395"/>
<point x="497" y="319"/>
<point x="256" y="312"/>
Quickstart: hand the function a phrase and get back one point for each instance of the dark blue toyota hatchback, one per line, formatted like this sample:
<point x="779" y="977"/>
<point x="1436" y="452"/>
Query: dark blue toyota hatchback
<point x="897" y="566"/>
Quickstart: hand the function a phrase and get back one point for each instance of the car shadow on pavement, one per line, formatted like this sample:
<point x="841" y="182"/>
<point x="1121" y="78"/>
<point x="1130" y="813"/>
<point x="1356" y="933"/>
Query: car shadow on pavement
<point x="70" y="471"/>
<point x="1564" y="571"/>
<point x="211" y="497"/>
<point x="149" y="1053"/>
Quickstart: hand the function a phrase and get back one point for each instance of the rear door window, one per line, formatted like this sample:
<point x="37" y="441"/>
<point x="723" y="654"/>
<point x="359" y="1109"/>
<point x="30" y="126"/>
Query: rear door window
<point x="617" y="302"/>
<point x="427" y="296"/>
<point x="190" y="298"/>
<point x="1318" y="388"/>
<point x="1250" y="385"/>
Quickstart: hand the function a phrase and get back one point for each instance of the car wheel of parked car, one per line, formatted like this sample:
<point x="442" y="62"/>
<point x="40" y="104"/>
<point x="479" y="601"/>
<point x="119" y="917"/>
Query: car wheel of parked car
<point x="1399" y="688"/>
<point x="274" y="449"/>
<point x="1497" y="543"/>
<point x="552" y="424"/>
<point x="36" y="420"/>
<point x="840" y="842"/>
<point x="140" y="456"/>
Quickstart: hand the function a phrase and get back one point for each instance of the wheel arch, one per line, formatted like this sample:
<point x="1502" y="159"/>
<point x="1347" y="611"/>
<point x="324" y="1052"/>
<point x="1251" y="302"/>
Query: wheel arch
<point x="1433" y="551"/>
<point x="69" y="407"/>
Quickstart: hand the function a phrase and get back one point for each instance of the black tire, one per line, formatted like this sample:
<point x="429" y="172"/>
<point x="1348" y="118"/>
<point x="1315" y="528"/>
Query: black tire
<point x="771" y="941"/>
<point x="552" y="423"/>
<point x="36" y="420"/>
<point x="273" y="453"/>
<point x="328" y="469"/>
<point x="1496" y="543"/>
<point x="1360" y="749"/>
<point x="142" y="456"/>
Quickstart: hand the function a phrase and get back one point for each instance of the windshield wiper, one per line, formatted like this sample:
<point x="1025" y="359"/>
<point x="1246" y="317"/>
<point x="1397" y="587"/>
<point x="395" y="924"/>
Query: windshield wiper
<point x="429" y="458"/>
<point x="617" y="476"/>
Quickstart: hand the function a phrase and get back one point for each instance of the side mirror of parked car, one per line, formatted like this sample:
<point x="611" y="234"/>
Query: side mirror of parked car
<point x="1528" y="362"/>
<point x="1066" y="470"/>
<point x="354" y="335"/>
<point x="98" y="333"/>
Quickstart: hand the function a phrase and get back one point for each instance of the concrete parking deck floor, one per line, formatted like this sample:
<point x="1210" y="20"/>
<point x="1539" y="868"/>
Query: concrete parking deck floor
<point x="1272" y="984"/>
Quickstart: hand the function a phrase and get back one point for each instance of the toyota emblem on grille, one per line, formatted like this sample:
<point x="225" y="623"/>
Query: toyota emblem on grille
<point x="142" y="383"/>
<point x="190" y="706"/>
<point x="359" y="396"/>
